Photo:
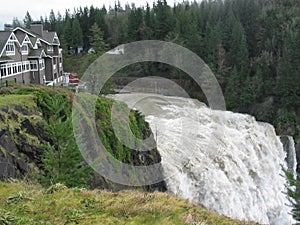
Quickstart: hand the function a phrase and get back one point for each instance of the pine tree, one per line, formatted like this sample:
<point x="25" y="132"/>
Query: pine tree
<point x="289" y="69"/>
<point x="27" y="20"/>
<point x="135" y="23"/>
<point x="52" y="21"/>
<point x="163" y="19"/>
<point x="68" y="32"/>
<point x="16" y="22"/>
<point x="96" y="39"/>
<point x="233" y="90"/>
<point x="77" y="39"/>
<point x="62" y="160"/>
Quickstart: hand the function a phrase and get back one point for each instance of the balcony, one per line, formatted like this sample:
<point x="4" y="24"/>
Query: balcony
<point x="56" y="82"/>
<point x="60" y="65"/>
<point x="54" y="67"/>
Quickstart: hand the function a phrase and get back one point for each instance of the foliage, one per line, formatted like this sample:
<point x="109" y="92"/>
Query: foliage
<point x="104" y="126"/>
<point x="62" y="160"/>
<point x="293" y="188"/>
<point x="96" y="39"/>
<point x="77" y="38"/>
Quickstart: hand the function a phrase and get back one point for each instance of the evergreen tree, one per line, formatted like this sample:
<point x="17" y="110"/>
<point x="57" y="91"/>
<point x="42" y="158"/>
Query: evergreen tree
<point x="52" y="21"/>
<point x="232" y="94"/>
<point x="289" y="69"/>
<point x="147" y="29"/>
<point x="16" y="22"/>
<point x="62" y="160"/>
<point x="68" y="32"/>
<point x="77" y="39"/>
<point x="96" y="40"/>
<point x="163" y="19"/>
<point x="27" y="20"/>
<point x="46" y="24"/>
<point x="293" y="188"/>
<point x="135" y="23"/>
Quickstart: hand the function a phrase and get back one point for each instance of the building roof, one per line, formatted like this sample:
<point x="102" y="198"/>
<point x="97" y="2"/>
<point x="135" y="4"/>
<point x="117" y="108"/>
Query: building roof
<point x="4" y="36"/>
<point x="33" y="40"/>
<point x="20" y="37"/>
<point x="37" y="53"/>
<point x="49" y="36"/>
<point x="24" y="30"/>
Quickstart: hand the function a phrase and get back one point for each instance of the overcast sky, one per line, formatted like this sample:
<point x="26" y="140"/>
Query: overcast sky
<point x="37" y="8"/>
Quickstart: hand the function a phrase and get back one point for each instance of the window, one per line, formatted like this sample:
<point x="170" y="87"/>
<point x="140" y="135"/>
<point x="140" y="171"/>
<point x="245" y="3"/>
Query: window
<point x="49" y="48"/>
<point x="3" y="71"/>
<point x="14" y="66"/>
<point x="9" y="69"/>
<point x="10" y="48"/>
<point x="24" y="49"/>
<point x="33" y="65"/>
<point x="19" y="67"/>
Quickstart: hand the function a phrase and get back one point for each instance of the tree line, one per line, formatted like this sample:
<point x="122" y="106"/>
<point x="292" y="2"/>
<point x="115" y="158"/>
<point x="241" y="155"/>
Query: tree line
<point x="252" y="46"/>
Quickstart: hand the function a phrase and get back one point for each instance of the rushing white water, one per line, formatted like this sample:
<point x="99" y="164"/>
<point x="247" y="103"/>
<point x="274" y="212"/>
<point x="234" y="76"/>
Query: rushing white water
<point x="227" y="162"/>
<point x="289" y="147"/>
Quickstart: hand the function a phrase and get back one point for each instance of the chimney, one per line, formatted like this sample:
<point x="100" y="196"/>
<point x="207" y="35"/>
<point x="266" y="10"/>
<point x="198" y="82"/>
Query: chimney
<point x="37" y="27"/>
<point x="8" y="27"/>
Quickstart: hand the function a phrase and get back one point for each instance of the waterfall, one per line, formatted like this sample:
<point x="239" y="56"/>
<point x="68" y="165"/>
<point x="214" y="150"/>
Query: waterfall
<point x="227" y="162"/>
<point x="289" y="148"/>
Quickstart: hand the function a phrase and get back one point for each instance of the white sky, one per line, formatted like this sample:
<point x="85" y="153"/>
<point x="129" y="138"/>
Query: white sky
<point x="36" y="8"/>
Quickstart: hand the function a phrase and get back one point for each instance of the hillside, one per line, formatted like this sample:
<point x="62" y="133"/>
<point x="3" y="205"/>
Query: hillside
<point x="37" y="141"/>
<point x="30" y="204"/>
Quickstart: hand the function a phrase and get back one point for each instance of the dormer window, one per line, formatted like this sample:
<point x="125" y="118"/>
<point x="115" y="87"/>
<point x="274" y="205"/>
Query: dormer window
<point x="12" y="38"/>
<point x="26" y="40"/>
<point x="55" y="40"/>
<point x="10" y="48"/>
<point x="24" y="49"/>
<point x="49" y="48"/>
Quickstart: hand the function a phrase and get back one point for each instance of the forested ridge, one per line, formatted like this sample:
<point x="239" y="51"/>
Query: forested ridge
<point x="252" y="46"/>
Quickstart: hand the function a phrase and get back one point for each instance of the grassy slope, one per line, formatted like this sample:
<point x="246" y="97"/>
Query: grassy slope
<point x="29" y="204"/>
<point x="20" y="100"/>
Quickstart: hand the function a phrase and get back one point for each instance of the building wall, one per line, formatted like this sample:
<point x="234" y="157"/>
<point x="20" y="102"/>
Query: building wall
<point x="48" y="69"/>
<point x="18" y="78"/>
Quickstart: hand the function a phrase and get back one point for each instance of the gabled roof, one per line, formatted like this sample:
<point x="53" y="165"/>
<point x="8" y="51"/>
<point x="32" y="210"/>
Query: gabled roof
<point x="24" y="30"/>
<point x="49" y="36"/>
<point x="34" y="40"/>
<point x="37" y="53"/>
<point x="6" y="36"/>
<point x="20" y="36"/>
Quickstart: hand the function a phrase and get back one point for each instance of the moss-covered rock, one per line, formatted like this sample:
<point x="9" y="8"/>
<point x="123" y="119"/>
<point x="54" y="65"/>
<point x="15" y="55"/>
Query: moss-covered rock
<point x="23" y="114"/>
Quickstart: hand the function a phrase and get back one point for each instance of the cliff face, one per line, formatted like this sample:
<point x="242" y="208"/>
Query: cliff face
<point x="23" y="135"/>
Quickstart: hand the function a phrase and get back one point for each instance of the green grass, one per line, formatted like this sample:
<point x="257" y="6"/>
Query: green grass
<point x="31" y="204"/>
<point x="20" y="100"/>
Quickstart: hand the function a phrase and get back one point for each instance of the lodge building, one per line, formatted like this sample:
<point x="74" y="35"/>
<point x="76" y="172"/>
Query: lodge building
<point x="30" y="55"/>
